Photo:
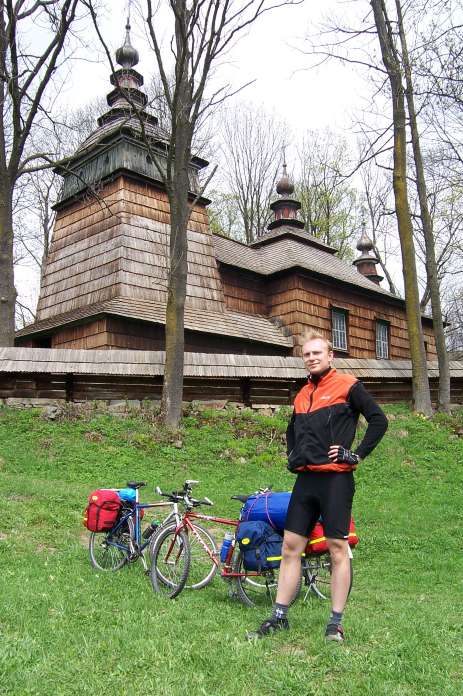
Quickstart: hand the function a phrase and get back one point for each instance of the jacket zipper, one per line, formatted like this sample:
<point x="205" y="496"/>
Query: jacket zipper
<point x="311" y="398"/>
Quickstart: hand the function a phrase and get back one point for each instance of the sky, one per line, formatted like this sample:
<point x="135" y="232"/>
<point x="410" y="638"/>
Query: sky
<point x="271" y="54"/>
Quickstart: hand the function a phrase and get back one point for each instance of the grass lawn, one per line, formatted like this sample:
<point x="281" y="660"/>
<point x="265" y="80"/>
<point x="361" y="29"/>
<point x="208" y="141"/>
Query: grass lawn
<point x="68" y="630"/>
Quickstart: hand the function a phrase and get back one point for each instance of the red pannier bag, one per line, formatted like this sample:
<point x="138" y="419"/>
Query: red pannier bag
<point x="102" y="510"/>
<point x="317" y="539"/>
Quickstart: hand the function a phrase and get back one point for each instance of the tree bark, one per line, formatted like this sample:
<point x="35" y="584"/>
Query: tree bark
<point x="7" y="287"/>
<point x="172" y="392"/>
<point x="420" y="380"/>
<point x="24" y="78"/>
<point x="428" y="233"/>
<point x="178" y="186"/>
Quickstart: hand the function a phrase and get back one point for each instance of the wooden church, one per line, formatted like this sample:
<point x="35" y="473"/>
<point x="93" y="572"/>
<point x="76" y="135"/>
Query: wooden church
<point x="105" y="279"/>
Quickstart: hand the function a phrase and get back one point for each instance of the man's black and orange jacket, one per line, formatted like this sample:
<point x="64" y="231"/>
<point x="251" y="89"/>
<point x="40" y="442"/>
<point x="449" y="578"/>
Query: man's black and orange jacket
<point x="326" y="413"/>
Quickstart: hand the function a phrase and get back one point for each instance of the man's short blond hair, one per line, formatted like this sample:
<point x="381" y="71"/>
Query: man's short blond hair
<point x="315" y="335"/>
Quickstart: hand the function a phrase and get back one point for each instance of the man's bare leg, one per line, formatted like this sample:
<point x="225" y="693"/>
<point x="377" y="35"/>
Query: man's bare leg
<point x="290" y="567"/>
<point x="340" y="585"/>
<point x="290" y="573"/>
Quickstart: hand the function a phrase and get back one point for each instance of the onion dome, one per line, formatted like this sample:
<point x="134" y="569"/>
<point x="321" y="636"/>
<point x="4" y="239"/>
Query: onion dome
<point x="285" y="186"/>
<point x="127" y="55"/>
<point x="285" y="207"/>
<point x="366" y="262"/>
<point x="364" y="244"/>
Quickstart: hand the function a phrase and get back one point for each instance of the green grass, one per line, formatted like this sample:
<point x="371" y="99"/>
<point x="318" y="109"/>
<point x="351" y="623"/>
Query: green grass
<point x="67" y="630"/>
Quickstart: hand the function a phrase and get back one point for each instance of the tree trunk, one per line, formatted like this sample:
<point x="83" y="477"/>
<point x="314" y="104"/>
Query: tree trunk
<point x="7" y="288"/>
<point x="420" y="381"/>
<point x="172" y="393"/>
<point x="431" y="265"/>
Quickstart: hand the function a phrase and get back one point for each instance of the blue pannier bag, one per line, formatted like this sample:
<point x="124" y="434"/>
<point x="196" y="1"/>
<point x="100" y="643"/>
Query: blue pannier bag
<point x="271" y="507"/>
<point x="260" y="545"/>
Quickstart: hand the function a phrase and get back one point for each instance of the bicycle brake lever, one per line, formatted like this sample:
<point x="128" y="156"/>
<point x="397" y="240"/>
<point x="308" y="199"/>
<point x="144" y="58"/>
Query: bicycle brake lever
<point x="158" y="491"/>
<point x="191" y="483"/>
<point x="207" y="501"/>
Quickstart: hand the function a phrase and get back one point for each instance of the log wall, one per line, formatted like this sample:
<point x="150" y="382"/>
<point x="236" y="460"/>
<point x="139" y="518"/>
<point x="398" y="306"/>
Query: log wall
<point x="248" y="391"/>
<point x="116" y="333"/>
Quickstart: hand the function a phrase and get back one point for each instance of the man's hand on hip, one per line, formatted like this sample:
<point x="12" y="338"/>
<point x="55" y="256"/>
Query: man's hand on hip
<point x="341" y="455"/>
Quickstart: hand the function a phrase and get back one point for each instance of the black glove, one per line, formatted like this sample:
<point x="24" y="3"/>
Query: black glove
<point x="345" y="456"/>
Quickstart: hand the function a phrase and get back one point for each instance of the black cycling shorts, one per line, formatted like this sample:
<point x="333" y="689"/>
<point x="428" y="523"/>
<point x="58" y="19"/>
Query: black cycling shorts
<point x="327" y="494"/>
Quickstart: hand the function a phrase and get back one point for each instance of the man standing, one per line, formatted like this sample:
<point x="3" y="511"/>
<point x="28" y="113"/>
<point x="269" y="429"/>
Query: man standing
<point x="319" y="437"/>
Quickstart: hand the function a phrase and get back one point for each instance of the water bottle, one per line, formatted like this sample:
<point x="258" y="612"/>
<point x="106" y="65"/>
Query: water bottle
<point x="151" y="528"/>
<point x="227" y="540"/>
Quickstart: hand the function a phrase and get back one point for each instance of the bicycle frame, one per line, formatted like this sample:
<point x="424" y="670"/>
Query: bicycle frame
<point x="226" y="567"/>
<point x="136" y="545"/>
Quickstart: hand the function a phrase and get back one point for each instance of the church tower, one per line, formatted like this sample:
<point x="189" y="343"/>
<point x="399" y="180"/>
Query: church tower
<point x="108" y="260"/>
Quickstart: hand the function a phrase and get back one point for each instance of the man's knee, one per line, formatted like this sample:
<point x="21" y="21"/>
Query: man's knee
<point x="293" y="545"/>
<point x="338" y="549"/>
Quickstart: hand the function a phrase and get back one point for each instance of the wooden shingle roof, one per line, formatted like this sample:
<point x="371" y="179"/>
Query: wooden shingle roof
<point x="290" y="231"/>
<point x="289" y="252"/>
<point x="226" y="323"/>
<point x="151" y="363"/>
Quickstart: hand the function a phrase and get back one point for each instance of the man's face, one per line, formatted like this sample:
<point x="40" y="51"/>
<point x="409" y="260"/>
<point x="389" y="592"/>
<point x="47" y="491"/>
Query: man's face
<point x="316" y="356"/>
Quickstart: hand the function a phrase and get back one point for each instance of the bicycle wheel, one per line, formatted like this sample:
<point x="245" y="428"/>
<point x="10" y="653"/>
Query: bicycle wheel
<point x="202" y="567"/>
<point x="258" y="590"/>
<point x="170" y="562"/>
<point x="316" y="570"/>
<point x="105" y="548"/>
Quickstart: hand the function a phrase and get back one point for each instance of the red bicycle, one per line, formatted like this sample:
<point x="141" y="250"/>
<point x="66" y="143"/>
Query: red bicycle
<point x="174" y="545"/>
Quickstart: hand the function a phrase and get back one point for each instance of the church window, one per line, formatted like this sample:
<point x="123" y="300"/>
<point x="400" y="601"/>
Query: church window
<point x="382" y="340"/>
<point x="339" y="329"/>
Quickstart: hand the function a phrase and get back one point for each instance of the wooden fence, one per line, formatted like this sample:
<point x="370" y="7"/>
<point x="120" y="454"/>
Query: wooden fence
<point x="244" y="390"/>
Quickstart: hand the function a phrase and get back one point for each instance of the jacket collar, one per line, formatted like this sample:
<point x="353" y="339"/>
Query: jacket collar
<point x="323" y="377"/>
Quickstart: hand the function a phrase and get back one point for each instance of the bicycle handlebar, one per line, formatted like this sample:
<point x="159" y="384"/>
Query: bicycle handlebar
<point x="184" y="496"/>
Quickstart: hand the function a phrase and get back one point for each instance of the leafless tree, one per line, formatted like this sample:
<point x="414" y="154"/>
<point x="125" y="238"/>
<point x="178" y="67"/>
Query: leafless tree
<point x="358" y="46"/>
<point x="330" y="203"/>
<point x="446" y="210"/>
<point x="454" y="317"/>
<point x="224" y="215"/>
<point x="379" y="212"/>
<point x="392" y="63"/>
<point x="201" y="32"/>
<point x="251" y="154"/>
<point x="426" y="220"/>
<point x="36" y="193"/>
<point x="25" y="73"/>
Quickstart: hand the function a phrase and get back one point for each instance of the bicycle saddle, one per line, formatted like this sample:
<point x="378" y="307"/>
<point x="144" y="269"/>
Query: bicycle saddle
<point x="241" y="498"/>
<point x="135" y="484"/>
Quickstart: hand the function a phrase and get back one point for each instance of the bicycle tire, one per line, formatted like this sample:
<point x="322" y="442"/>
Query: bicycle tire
<point x="316" y="570"/>
<point x="170" y="562"/>
<point x="258" y="590"/>
<point x="104" y="555"/>
<point x="202" y="568"/>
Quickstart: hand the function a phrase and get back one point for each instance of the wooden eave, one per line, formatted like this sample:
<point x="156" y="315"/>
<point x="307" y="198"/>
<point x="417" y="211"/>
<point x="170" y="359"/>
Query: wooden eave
<point x="204" y="365"/>
<point x="247" y="327"/>
<point x="298" y="234"/>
